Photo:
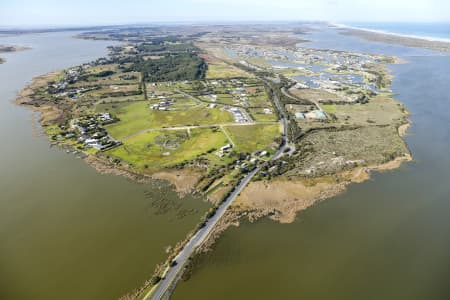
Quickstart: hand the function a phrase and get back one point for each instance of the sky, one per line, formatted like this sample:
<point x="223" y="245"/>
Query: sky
<point x="27" y="13"/>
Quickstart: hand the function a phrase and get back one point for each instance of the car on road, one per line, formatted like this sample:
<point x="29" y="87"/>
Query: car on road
<point x="173" y="263"/>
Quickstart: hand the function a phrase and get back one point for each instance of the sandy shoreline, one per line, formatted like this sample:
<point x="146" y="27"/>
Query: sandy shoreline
<point x="403" y="129"/>
<point x="420" y="37"/>
<point x="431" y="43"/>
<point x="282" y="199"/>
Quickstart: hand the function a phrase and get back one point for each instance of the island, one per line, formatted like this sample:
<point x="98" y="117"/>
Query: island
<point x="6" y="49"/>
<point x="243" y="115"/>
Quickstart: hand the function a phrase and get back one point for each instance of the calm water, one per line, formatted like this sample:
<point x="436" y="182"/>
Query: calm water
<point x="67" y="232"/>
<point x="388" y="238"/>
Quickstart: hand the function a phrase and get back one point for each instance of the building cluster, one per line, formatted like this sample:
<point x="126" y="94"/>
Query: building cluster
<point x="224" y="150"/>
<point x="342" y="61"/>
<point x="221" y="83"/>
<point x="251" y="160"/>
<point x="313" y="63"/>
<point x="76" y="93"/>
<point x="246" y="161"/>
<point x="240" y="96"/>
<point x="92" y="133"/>
<point x="240" y="115"/>
<point x="164" y="103"/>
<point x="234" y="87"/>
<point x="258" y="52"/>
<point x="71" y="76"/>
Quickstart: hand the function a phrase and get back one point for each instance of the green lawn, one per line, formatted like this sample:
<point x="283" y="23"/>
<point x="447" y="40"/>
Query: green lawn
<point x="329" y="108"/>
<point x="166" y="148"/>
<point x="253" y="137"/>
<point x="136" y="116"/>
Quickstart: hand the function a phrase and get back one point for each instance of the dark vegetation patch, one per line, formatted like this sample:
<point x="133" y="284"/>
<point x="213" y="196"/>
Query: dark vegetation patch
<point x="172" y="67"/>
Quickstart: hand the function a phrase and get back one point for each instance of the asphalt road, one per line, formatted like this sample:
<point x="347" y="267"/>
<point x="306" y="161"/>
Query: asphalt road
<point x="197" y="239"/>
<point x="201" y="235"/>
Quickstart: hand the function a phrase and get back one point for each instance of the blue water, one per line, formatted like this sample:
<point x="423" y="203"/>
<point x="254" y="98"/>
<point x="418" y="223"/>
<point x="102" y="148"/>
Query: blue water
<point x="435" y="30"/>
<point x="332" y="39"/>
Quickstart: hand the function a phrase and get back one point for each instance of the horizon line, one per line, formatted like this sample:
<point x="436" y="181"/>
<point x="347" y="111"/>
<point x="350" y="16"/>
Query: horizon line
<point x="30" y="27"/>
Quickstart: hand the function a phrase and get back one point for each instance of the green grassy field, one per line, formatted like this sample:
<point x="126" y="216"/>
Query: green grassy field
<point x="329" y="108"/>
<point x="166" y="148"/>
<point x="253" y="137"/>
<point x="115" y="89"/>
<point x="313" y="94"/>
<point x="381" y="110"/>
<point x="291" y="72"/>
<point x="136" y="116"/>
<point x="258" y="115"/>
<point x="225" y="99"/>
<point x="223" y="70"/>
<point x="260" y="99"/>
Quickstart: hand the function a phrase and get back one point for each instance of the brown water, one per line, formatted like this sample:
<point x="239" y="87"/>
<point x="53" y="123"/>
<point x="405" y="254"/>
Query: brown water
<point x="67" y="232"/>
<point x="387" y="238"/>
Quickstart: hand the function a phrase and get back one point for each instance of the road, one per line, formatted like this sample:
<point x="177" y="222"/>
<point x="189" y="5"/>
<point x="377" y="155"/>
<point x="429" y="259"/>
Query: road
<point x="228" y="136"/>
<point x="283" y="118"/>
<point x="202" y="234"/>
<point x="197" y="240"/>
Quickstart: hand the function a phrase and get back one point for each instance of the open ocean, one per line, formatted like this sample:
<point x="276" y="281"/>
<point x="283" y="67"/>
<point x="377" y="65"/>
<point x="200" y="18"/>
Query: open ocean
<point x="430" y="30"/>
